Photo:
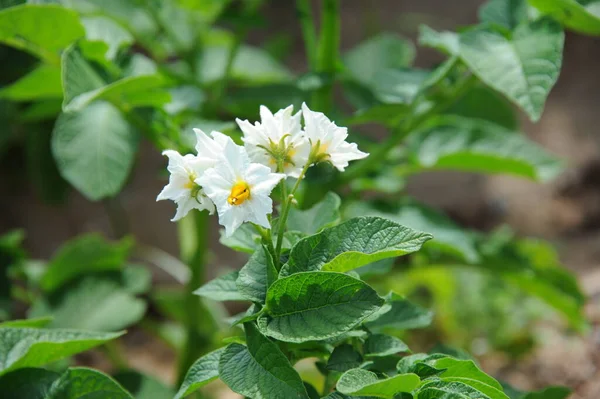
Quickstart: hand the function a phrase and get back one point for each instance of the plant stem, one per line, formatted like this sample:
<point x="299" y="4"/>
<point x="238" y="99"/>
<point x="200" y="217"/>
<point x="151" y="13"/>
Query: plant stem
<point x="328" y="53"/>
<point x="113" y="352"/>
<point x="221" y="88"/>
<point x="403" y="130"/>
<point x="309" y="34"/>
<point x="285" y="210"/>
<point x="194" y="241"/>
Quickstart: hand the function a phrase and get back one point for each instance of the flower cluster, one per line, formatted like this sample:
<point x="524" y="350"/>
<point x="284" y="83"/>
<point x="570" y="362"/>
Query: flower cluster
<point x="238" y="180"/>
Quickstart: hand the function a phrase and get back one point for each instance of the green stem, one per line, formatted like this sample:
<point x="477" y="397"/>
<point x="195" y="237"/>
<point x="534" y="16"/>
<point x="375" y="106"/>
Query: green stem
<point x="113" y="352"/>
<point x="309" y="34"/>
<point x="329" y="46"/>
<point x="285" y="210"/>
<point x="221" y="88"/>
<point x="194" y="242"/>
<point x="400" y="133"/>
<point x="328" y="384"/>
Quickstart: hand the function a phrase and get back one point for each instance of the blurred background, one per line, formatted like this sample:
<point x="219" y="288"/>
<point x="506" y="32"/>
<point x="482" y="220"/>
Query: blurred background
<point x="566" y="211"/>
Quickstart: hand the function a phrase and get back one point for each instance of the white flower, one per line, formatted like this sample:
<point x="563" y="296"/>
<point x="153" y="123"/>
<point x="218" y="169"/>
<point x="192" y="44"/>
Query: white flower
<point x="209" y="149"/>
<point x="329" y="140"/>
<point x="181" y="188"/>
<point x="276" y="137"/>
<point x="240" y="189"/>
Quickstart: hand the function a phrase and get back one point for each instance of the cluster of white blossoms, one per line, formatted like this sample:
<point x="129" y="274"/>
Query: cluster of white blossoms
<point x="238" y="180"/>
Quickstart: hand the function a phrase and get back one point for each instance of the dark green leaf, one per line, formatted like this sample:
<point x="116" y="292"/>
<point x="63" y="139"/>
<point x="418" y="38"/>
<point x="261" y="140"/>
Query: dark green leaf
<point x="473" y="145"/>
<point x="316" y="305"/>
<point x="257" y="276"/>
<point x="105" y="31"/>
<point x="352" y="244"/>
<point x="82" y="255"/>
<point x="381" y="345"/>
<point x="549" y="393"/>
<point x="142" y="386"/>
<point x="221" y="288"/>
<point x="483" y="103"/>
<point x="95" y="149"/>
<point x="437" y="389"/>
<point x="417" y="364"/>
<point x="523" y="67"/>
<point x="32" y="347"/>
<point x="344" y="358"/>
<point x="400" y="314"/>
<point x="261" y="370"/>
<point x="203" y="371"/>
<point x="321" y="215"/>
<point x="506" y="13"/>
<point x="42" y="30"/>
<point x="364" y="382"/>
<point x="580" y="16"/>
<point x="371" y="57"/>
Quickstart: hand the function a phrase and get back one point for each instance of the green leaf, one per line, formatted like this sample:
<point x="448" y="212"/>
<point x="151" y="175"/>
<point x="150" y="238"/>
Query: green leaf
<point x="387" y="114"/>
<point x="95" y="302"/>
<point x="203" y="371"/>
<point x="33" y="347"/>
<point x="323" y="214"/>
<point x="464" y="369"/>
<point x="380" y="345"/>
<point x="481" y="102"/>
<point x="352" y="244"/>
<point x="78" y="76"/>
<point x="418" y="364"/>
<point x="449" y="237"/>
<point x="400" y="86"/>
<point x="142" y="386"/>
<point x="244" y="239"/>
<point x="95" y="149"/>
<point x="580" y="16"/>
<point x="523" y="67"/>
<point x="261" y="370"/>
<point x="37" y="322"/>
<point x="400" y="314"/>
<point x="371" y="57"/>
<point x="473" y="145"/>
<point x="549" y="393"/>
<point x="41" y="30"/>
<point x="316" y="305"/>
<point x="75" y="383"/>
<point x="41" y="83"/>
<point x="82" y="255"/>
<point x="136" y="279"/>
<point x="344" y="358"/>
<point x="222" y="288"/>
<point x="364" y="382"/>
<point x="506" y="13"/>
<point x="111" y="35"/>
<point x="449" y="390"/>
<point x="446" y="42"/>
<point x="256" y="276"/>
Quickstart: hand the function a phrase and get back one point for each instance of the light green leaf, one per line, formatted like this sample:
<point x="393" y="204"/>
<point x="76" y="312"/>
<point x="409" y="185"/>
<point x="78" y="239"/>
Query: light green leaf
<point x="449" y="237"/>
<point x="580" y="16"/>
<point x="75" y="383"/>
<point x="352" y="244"/>
<point x="256" y="276"/>
<point x="78" y="76"/>
<point x="33" y="347"/>
<point x="37" y="322"/>
<point x="222" y="288"/>
<point x="364" y="382"/>
<point x="95" y="149"/>
<point x="244" y="239"/>
<point x="323" y="214"/>
<point x="111" y="35"/>
<point x="85" y="254"/>
<point x="185" y="98"/>
<point x="506" y="13"/>
<point x="523" y="67"/>
<point x="316" y="305"/>
<point x="549" y="393"/>
<point x="98" y="303"/>
<point x="464" y="369"/>
<point x="203" y="371"/>
<point x="142" y="386"/>
<point x="380" y="345"/>
<point x="457" y="143"/>
<point x="41" y="30"/>
<point x="449" y="390"/>
<point x="344" y="358"/>
<point x="261" y="370"/>
<point x="400" y="314"/>
<point x="399" y="86"/>
<point x="491" y="392"/>
<point x="41" y="83"/>
<point x="369" y="58"/>
<point x="136" y="279"/>
<point x="447" y="42"/>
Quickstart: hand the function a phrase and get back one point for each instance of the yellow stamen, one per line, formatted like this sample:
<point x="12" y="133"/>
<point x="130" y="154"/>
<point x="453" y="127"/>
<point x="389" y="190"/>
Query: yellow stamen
<point x="189" y="185"/>
<point x="239" y="193"/>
